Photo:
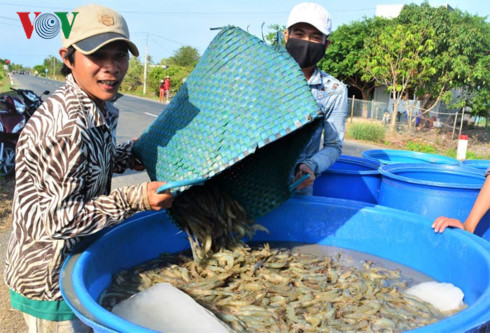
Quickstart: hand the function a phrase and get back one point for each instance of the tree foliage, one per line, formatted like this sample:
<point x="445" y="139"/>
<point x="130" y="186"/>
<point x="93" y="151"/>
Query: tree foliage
<point x="343" y="54"/>
<point x="40" y="69"/>
<point x="134" y="76"/>
<point x="53" y="65"/>
<point x="272" y="36"/>
<point x="133" y="81"/>
<point x="396" y="58"/>
<point x="460" y="56"/>
<point x="177" y="74"/>
<point x="185" y="56"/>
<point x="431" y="53"/>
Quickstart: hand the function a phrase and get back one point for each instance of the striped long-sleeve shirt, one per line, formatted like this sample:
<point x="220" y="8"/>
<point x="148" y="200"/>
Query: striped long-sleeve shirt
<point x="66" y="155"/>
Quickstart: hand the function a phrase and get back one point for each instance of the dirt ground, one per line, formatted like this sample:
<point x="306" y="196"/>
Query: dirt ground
<point x="12" y="322"/>
<point x="478" y="140"/>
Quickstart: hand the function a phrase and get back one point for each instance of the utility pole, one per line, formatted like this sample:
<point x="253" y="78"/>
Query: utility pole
<point x="145" y="65"/>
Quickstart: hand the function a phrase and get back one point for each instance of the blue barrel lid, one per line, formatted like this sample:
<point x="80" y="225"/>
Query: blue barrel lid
<point x="478" y="164"/>
<point x="437" y="175"/>
<point x="390" y="156"/>
<point x="354" y="165"/>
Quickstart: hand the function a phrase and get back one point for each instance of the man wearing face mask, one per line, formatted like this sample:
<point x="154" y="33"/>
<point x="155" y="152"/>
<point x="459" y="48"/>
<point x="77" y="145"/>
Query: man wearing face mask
<point x="308" y="27"/>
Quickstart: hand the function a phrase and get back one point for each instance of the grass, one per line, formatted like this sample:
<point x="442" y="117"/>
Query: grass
<point x="420" y="147"/>
<point x="5" y="84"/>
<point x="470" y="155"/>
<point x="366" y="132"/>
<point x="426" y="141"/>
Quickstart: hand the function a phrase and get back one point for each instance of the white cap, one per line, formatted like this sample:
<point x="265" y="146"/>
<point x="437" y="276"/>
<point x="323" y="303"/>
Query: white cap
<point x="311" y="13"/>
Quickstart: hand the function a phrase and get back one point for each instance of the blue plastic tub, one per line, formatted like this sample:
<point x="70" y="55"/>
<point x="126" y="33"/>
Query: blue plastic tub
<point x="432" y="191"/>
<point x="455" y="256"/>
<point x="350" y="177"/>
<point x="390" y="156"/>
<point x="482" y="165"/>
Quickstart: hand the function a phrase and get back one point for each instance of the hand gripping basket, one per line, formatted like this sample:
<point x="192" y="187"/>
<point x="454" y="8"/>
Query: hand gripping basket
<point x="240" y="120"/>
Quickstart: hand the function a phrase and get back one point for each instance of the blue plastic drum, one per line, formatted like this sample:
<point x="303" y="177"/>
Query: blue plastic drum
<point x="455" y="256"/>
<point x="390" y="156"/>
<point x="432" y="191"/>
<point x="350" y="177"/>
<point x="482" y="165"/>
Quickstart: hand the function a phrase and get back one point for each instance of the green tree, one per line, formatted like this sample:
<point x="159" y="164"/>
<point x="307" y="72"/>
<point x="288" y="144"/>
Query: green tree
<point x="53" y="64"/>
<point x="40" y="69"/>
<point x="342" y="57"/>
<point x="460" y="56"/>
<point x="479" y="88"/>
<point x="271" y="37"/>
<point x="396" y="58"/>
<point x="2" y="75"/>
<point x="185" y="56"/>
<point x="134" y="77"/>
<point x="177" y="74"/>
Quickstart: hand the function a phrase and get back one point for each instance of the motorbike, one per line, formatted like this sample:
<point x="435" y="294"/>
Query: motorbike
<point x="15" y="111"/>
<point x="31" y="100"/>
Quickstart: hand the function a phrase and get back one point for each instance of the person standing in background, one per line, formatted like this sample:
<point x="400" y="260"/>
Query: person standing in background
<point x="166" y="87"/>
<point x="162" y="91"/>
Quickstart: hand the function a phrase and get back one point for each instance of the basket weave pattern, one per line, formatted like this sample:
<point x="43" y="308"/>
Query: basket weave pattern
<point x="242" y="97"/>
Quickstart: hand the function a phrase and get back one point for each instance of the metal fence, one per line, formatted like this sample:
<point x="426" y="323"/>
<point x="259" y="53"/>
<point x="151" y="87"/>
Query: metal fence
<point x="411" y="115"/>
<point x="367" y="109"/>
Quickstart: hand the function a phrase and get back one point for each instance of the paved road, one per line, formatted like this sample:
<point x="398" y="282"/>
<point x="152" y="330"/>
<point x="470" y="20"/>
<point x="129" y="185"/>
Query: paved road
<point x="136" y="114"/>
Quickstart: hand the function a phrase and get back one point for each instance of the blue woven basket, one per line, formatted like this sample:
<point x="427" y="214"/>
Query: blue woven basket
<point x="240" y="120"/>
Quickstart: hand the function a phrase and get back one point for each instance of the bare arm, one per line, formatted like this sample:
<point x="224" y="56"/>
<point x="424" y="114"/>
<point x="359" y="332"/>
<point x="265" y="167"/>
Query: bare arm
<point x="480" y="207"/>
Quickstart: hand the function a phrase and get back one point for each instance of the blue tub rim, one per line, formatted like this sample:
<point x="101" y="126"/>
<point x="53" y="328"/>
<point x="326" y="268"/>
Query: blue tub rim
<point x="476" y="311"/>
<point x="374" y="165"/>
<point x="429" y="158"/>
<point x="389" y="171"/>
<point x="87" y="304"/>
<point x="477" y="164"/>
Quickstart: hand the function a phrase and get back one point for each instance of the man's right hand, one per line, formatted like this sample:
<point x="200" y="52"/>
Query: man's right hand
<point x="159" y="201"/>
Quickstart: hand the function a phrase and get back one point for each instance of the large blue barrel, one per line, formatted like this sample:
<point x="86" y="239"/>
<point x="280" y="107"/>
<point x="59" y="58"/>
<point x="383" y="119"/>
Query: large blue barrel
<point x="455" y="256"/>
<point x="390" y="156"/>
<point x="482" y="165"/>
<point x="433" y="190"/>
<point x="350" y="177"/>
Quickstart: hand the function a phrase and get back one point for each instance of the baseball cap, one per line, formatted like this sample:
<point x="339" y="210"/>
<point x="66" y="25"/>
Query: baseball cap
<point x="311" y="13"/>
<point x="96" y="26"/>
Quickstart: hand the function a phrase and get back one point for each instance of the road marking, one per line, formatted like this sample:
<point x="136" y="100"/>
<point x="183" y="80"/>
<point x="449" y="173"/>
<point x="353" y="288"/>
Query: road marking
<point x="151" y="114"/>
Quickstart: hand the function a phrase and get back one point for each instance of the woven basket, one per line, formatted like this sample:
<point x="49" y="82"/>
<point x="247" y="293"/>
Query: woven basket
<point x="240" y="120"/>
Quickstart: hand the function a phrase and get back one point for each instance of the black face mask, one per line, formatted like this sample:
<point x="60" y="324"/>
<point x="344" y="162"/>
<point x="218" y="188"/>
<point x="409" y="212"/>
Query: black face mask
<point x="305" y="53"/>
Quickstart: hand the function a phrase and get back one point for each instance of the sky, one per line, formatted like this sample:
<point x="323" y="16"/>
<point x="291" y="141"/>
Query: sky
<point x="162" y="27"/>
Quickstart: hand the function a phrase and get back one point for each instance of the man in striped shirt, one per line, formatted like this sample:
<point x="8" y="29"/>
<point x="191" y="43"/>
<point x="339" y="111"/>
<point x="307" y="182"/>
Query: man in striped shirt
<point x="65" y="159"/>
